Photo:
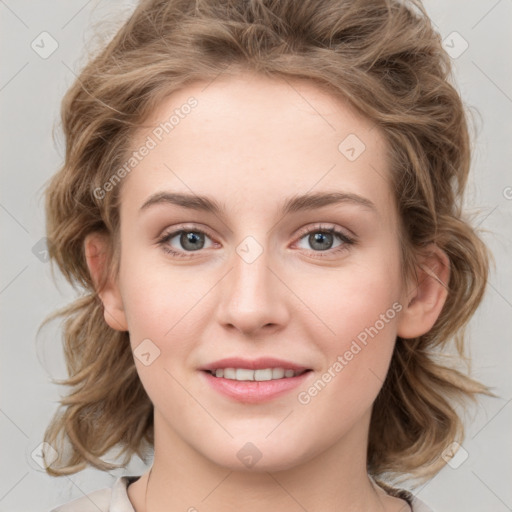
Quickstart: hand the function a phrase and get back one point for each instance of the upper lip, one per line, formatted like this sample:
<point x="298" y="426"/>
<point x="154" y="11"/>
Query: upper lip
<point x="254" y="364"/>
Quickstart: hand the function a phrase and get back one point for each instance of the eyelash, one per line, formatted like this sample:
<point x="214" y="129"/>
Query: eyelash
<point x="347" y="241"/>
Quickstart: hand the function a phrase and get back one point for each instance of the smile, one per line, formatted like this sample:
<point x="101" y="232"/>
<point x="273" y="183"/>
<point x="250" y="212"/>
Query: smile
<point x="263" y="374"/>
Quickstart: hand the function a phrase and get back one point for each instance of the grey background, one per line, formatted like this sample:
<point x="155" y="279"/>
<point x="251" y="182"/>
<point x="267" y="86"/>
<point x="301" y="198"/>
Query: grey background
<point x="31" y="88"/>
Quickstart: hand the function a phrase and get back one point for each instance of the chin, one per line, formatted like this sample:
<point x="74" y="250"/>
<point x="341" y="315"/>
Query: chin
<point x="258" y="457"/>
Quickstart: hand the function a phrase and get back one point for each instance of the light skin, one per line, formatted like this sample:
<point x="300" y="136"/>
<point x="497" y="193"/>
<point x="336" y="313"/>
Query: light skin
<point x="252" y="143"/>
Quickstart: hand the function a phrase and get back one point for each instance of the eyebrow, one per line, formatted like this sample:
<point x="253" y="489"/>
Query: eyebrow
<point x="291" y="205"/>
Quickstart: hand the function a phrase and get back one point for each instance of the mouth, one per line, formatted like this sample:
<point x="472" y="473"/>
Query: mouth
<point x="258" y="375"/>
<point x="254" y="381"/>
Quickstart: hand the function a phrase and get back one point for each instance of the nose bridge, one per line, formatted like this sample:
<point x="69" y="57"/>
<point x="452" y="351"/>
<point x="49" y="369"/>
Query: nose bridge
<point x="250" y="277"/>
<point x="250" y="296"/>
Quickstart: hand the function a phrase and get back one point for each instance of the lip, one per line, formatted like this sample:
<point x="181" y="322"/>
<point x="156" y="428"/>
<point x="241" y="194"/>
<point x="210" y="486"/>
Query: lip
<point x="250" y="391"/>
<point x="254" y="364"/>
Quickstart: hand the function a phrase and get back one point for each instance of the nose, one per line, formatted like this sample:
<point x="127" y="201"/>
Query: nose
<point x="253" y="296"/>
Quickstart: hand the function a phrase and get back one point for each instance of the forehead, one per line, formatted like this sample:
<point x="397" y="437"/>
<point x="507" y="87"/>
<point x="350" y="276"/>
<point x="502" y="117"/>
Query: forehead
<point x="249" y="140"/>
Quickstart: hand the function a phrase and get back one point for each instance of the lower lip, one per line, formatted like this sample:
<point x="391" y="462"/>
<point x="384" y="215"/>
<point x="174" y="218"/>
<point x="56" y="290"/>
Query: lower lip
<point x="250" y="391"/>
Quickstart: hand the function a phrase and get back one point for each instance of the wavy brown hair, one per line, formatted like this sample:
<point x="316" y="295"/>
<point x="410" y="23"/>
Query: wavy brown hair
<point x="387" y="60"/>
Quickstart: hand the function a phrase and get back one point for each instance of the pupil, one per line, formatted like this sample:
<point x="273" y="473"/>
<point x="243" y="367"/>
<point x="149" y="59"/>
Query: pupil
<point x="191" y="238"/>
<point x="320" y="237"/>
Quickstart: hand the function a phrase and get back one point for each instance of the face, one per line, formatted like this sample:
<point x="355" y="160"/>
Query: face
<point x="315" y="284"/>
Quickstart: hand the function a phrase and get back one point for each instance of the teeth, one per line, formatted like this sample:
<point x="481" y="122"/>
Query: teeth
<point x="263" y="374"/>
<point x="279" y="373"/>
<point x="229" y="373"/>
<point x="241" y="374"/>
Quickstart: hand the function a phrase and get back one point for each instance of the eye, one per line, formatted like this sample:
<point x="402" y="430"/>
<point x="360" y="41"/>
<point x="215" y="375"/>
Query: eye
<point x="321" y="239"/>
<point x="189" y="240"/>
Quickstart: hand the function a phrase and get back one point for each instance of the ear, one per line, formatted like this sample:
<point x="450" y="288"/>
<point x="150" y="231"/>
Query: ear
<point x="96" y="255"/>
<point x="426" y="295"/>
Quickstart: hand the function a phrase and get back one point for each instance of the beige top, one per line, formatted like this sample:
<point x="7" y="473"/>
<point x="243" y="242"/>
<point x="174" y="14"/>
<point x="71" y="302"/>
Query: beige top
<point x="115" y="499"/>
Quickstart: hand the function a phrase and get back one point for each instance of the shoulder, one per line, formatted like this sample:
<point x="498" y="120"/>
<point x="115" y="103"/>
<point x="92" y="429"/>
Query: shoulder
<point x="414" y="502"/>
<point x="418" y="506"/>
<point x="109" y="499"/>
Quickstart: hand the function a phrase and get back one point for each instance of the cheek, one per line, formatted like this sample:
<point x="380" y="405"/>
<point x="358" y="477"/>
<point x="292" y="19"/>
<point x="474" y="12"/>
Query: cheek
<point x="157" y="298"/>
<point x="361" y="309"/>
<point x="163" y="308"/>
<point x="160" y="331"/>
<point x="351" y="299"/>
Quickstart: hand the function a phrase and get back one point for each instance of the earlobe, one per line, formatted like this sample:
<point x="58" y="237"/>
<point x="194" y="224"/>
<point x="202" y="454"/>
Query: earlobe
<point x="426" y="297"/>
<point x="96" y="255"/>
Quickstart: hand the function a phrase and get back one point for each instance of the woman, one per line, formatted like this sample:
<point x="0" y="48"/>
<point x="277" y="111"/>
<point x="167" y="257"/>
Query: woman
<point x="213" y="148"/>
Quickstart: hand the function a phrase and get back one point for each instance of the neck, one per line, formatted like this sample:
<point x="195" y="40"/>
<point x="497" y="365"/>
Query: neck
<point x="183" y="479"/>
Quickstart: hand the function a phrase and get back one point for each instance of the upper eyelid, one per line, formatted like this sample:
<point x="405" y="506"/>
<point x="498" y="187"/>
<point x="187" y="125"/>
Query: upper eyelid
<point x="175" y="231"/>
<point x="320" y="226"/>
